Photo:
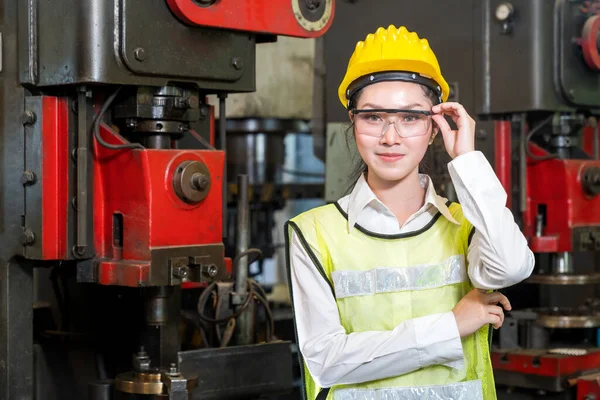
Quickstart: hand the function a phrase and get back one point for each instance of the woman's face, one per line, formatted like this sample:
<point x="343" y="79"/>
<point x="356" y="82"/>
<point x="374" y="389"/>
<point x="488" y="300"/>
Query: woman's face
<point x="391" y="157"/>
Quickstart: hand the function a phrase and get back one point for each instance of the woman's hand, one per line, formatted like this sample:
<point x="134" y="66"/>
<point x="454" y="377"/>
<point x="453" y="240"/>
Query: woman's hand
<point x="457" y="142"/>
<point x="477" y="309"/>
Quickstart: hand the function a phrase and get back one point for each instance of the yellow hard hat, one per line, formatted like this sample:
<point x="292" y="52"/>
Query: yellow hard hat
<point x="394" y="54"/>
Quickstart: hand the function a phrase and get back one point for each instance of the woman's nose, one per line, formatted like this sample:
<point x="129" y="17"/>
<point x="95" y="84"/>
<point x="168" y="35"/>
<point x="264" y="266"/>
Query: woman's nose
<point x="390" y="135"/>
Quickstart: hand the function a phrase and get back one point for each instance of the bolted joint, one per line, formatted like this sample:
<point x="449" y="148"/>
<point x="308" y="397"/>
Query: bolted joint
<point x="312" y="4"/>
<point x="181" y="272"/>
<point x="199" y="181"/>
<point x="237" y="63"/>
<point x="28" y="177"/>
<point x="28" y="118"/>
<point x="210" y="269"/>
<point x="27" y="237"/>
<point x="173" y="371"/>
<point x="139" y="54"/>
<point x="141" y="361"/>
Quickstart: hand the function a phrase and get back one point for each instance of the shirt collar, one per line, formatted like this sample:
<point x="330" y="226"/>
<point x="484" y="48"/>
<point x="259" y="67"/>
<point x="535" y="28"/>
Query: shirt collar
<point x="362" y="196"/>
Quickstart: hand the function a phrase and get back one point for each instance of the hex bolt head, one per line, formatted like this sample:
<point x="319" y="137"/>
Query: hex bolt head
<point x="27" y="237"/>
<point x="212" y="270"/>
<point x="181" y="272"/>
<point x="204" y="111"/>
<point x="139" y="54"/>
<point x="28" y="177"/>
<point x="173" y="369"/>
<point x="28" y="117"/>
<point x="237" y="63"/>
<point x="199" y="181"/>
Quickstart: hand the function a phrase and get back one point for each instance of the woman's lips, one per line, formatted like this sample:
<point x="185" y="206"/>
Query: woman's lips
<point x="390" y="157"/>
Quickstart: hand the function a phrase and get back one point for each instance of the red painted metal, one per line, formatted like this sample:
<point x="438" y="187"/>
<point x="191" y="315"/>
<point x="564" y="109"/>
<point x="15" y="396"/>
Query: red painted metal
<point x="55" y="177"/>
<point x="503" y="156"/>
<point x="588" y="387"/>
<point x="588" y="139"/>
<point x="545" y="364"/>
<point x="557" y="185"/>
<point x="138" y="185"/>
<point x="260" y="16"/>
<point x="589" y="45"/>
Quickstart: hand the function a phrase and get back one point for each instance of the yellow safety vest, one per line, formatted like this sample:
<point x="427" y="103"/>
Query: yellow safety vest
<point x="379" y="281"/>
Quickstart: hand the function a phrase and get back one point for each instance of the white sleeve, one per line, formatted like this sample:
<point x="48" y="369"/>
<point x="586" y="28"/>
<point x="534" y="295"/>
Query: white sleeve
<point x="334" y="357"/>
<point x="498" y="253"/>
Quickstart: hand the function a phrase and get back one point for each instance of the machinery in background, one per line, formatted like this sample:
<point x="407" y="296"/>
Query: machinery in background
<point x="99" y="99"/>
<point x="530" y="71"/>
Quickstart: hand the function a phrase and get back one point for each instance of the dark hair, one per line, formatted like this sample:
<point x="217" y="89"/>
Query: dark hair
<point x="360" y="167"/>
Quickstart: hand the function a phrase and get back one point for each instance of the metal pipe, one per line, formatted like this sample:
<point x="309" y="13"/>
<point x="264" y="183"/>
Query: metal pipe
<point x="223" y="145"/>
<point x="82" y="173"/>
<point x="503" y="155"/>
<point x="242" y="229"/>
<point x="523" y="165"/>
<point x="244" y="323"/>
<point x="159" y="141"/>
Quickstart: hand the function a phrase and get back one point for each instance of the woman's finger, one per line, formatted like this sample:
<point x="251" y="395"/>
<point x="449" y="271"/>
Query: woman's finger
<point x="495" y="310"/>
<point x="497" y="297"/>
<point x="442" y="124"/>
<point x="455" y="110"/>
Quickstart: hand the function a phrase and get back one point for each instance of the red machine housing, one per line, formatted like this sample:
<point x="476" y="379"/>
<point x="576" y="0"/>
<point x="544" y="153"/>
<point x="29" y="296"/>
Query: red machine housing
<point x="557" y="185"/>
<point x="138" y="185"/>
<point x="278" y="17"/>
<point x="54" y="179"/>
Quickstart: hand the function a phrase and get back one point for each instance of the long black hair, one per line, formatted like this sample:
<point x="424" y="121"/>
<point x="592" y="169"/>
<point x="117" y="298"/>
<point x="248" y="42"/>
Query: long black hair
<point x="425" y="167"/>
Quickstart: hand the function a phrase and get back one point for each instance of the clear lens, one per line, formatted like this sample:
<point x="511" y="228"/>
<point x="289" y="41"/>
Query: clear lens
<point x="376" y="123"/>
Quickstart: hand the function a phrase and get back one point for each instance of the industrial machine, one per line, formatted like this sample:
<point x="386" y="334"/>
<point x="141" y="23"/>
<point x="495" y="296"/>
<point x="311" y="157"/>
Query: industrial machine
<point x="529" y="70"/>
<point x="114" y="279"/>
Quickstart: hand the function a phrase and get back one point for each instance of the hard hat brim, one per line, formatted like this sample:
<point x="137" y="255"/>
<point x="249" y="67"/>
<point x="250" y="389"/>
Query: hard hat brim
<point x="419" y="68"/>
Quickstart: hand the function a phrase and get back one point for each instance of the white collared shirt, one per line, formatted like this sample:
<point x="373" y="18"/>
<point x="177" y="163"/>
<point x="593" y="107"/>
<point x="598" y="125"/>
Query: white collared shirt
<point x="498" y="257"/>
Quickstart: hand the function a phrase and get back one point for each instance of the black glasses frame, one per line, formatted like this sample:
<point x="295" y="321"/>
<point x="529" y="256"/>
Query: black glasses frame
<point x="390" y="111"/>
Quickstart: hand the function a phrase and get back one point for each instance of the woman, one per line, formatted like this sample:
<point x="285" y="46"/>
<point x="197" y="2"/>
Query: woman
<point x="392" y="285"/>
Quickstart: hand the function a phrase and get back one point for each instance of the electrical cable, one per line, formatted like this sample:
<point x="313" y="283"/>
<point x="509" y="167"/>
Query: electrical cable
<point x="96" y="126"/>
<point x="199" y="138"/>
<point x="530" y="135"/>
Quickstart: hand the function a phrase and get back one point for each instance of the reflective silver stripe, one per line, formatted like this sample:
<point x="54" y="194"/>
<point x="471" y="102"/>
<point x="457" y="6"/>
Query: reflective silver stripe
<point x="395" y="279"/>
<point x="470" y="390"/>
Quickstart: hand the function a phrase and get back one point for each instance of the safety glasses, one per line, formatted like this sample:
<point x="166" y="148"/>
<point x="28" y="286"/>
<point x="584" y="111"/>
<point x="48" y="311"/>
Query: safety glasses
<point x="407" y="123"/>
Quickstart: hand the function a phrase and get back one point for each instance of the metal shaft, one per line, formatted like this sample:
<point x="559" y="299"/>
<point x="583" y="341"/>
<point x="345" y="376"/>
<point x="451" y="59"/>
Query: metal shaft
<point x="223" y="145"/>
<point x="82" y="172"/>
<point x="523" y="165"/>
<point x="242" y="228"/>
<point x="244" y="331"/>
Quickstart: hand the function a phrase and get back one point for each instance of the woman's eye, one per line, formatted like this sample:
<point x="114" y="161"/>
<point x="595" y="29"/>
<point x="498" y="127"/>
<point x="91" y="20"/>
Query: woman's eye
<point x="373" y="117"/>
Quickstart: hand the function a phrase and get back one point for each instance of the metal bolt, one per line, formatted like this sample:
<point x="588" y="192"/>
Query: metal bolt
<point x="199" y="181"/>
<point x="212" y="270"/>
<point x="139" y="54"/>
<point x="183" y="128"/>
<point x="313" y="4"/>
<point x="237" y="63"/>
<point x="173" y="369"/>
<point x="27" y="237"/>
<point x="131" y="124"/>
<point x="28" y="118"/>
<point x="28" y="177"/>
<point x="181" y="272"/>
<point x="204" y="111"/>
